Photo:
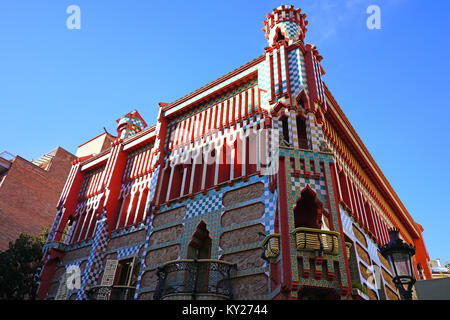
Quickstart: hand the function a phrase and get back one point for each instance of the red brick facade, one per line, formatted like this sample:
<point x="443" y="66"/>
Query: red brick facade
<point x="29" y="194"/>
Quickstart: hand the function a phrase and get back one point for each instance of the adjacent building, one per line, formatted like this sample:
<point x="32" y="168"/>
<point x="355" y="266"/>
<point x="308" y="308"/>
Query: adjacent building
<point x="254" y="186"/>
<point x="438" y="270"/>
<point x="29" y="192"/>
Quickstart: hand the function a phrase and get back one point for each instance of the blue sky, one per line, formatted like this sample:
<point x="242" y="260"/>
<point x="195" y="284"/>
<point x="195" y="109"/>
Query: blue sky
<point x="60" y="87"/>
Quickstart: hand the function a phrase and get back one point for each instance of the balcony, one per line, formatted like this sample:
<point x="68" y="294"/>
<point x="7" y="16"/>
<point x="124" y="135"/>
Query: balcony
<point x="202" y="279"/>
<point x="57" y="245"/>
<point x="322" y="241"/>
<point x="110" y="293"/>
<point x="271" y="246"/>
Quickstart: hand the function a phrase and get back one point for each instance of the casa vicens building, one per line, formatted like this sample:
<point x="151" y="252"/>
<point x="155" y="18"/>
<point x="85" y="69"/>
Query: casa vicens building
<point x="254" y="186"/>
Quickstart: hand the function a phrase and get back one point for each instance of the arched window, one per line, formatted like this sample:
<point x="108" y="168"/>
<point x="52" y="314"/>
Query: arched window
<point x="301" y="133"/>
<point x="200" y="248"/>
<point x="279" y="36"/>
<point x="308" y="211"/>
<point x="200" y="245"/>
<point x="285" y="127"/>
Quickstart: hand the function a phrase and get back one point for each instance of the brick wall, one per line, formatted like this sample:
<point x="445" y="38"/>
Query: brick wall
<point x="29" y="194"/>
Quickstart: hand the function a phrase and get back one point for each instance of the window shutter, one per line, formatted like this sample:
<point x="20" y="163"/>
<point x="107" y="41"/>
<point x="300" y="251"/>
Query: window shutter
<point x="109" y="273"/>
<point x="133" y="272"/>
<point x="63" y="291"/>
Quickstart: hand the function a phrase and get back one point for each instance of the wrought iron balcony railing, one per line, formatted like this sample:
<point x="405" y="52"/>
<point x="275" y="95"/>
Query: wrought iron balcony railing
<point x="195" y="279"/>
<point x="323" y="241"/>
<point x="110" y="293"/>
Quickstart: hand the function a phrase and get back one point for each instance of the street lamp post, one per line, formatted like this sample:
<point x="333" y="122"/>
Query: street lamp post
<point x="399" y="255"/>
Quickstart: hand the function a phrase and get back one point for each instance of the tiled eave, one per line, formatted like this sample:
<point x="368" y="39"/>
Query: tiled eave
<point x="207" y="91"/>
<point x="336" y="116"/>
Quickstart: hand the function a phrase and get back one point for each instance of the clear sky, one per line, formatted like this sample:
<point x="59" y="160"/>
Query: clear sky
<point x="60" y="87"/>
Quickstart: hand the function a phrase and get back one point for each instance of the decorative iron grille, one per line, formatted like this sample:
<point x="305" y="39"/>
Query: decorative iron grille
<point x="195" y="277"/>
<point x="111" y="293"/>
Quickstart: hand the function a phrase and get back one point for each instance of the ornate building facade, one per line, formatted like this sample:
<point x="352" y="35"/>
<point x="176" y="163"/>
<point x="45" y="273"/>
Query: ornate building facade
<point x="255" y="186"/>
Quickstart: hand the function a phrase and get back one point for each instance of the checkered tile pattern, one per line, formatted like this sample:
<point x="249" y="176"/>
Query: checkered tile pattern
<point x="152" y="187"/>
<point x="94" y="263"/>
<point x="291" y="30"/>
<point x="137" y="122"/>
<point x="315" y="133"/>
<point x="297" y="71"/>
<point x="270" y="202"/>
<point x="264" y="82"/>
<point x="201" y="204"/>
<point x="55" y="225"/>
<point x="293" y="129"/>
<point x="294" y="75"/>
<point x="127" y="252"/>
<point x="134" y="126"/>
<point x="142" y="269"/>
<point x="301" y="183"/>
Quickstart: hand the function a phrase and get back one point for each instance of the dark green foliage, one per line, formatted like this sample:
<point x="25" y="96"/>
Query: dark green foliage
<point x="20" y="266"/>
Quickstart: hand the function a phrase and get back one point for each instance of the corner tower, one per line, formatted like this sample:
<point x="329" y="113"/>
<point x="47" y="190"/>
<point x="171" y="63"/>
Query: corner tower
<point x="285" y="23"/>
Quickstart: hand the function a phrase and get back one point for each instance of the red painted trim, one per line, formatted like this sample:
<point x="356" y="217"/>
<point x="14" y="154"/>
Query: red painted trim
<point x="280" y="78"/>
<point x="284" y="223"/>
<point x="288" y="76"/>
<point x="310" y="77"/>
<point x="272" y="83"/>
<point x="341" y="229"/>
<point x="48" y="272"/>
<point x="253" y="101"/>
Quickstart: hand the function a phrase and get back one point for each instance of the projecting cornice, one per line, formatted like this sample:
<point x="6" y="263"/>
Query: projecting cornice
<point x="366" y="161"/>
<point x="187" y="101"/>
